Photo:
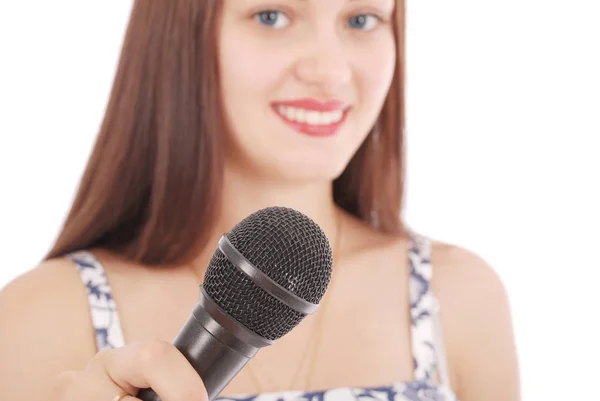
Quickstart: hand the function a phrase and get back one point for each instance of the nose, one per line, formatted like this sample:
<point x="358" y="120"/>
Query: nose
<point x="325" y="64"/>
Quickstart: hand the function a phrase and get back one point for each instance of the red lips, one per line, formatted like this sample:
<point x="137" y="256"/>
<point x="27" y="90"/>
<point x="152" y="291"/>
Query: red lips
<point x="308" y="105"/>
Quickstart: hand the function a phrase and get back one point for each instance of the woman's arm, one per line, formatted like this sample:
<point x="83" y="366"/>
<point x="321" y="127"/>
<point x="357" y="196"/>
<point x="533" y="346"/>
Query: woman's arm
<point x="45" y="329"/>
<point x="477" y="325"/>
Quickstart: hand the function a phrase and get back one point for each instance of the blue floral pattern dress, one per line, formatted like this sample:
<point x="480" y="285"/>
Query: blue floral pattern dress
<point x="426" y="337"/>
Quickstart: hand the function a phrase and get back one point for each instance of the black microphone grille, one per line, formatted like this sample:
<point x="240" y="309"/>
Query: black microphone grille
<point x="289" y="248"/>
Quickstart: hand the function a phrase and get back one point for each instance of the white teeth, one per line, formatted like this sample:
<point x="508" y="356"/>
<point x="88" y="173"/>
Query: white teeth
<point x="310" y="116"/>
<point x="337" y="115"/>
<point x="298" y="115"/>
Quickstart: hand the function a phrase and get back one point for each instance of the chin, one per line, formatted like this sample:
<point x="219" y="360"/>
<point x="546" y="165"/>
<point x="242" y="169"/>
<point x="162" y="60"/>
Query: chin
<point x="291" y="163"/>
<point x="306" y="170"/>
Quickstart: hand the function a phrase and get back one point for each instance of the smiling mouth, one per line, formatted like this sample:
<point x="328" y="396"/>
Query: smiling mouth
<point x="324" y="122"/>
<point x="312" y="117"/>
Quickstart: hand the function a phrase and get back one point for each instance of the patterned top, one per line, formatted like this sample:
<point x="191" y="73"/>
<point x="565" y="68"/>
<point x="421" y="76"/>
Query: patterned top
<point x="426" y="337"/>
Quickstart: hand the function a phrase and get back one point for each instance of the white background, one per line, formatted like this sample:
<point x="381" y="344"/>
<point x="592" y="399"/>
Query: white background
<point x="503" y="124"/>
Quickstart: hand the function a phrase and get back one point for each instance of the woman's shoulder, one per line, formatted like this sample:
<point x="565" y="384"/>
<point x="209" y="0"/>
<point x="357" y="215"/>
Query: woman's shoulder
<point x="52" y="287"/>
<point x="469" y="289"/>
<point x="46" y="305"/>
<point x="465" y="280"/>
<point x="46" y="327"/>
<point x="462" y="280"/>
<point x="474" y="312"/>
<point x="476" y="321"/>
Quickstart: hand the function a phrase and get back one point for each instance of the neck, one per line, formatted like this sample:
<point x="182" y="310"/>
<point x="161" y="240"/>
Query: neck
<point x="244" y="194"/>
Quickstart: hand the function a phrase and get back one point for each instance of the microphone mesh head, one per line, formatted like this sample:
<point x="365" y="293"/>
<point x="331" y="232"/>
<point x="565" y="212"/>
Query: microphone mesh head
<point x="288" y="247"/>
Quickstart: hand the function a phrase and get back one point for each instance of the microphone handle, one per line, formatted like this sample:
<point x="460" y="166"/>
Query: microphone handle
<point x="213" y="350"/>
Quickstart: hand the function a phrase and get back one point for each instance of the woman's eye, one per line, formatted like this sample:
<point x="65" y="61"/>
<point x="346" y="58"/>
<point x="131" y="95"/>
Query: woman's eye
<point x="273" y="19"/>
<point x="366" y="22"/>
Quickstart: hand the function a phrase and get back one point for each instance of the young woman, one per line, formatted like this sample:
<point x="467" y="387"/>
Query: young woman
<point x="221" y="108"/>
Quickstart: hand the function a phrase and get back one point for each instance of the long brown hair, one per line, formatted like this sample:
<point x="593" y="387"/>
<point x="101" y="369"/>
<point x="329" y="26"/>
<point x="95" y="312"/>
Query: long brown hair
<point x="159" y="153"/>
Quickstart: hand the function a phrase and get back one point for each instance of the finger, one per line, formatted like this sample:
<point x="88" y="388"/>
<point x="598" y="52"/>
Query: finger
<point x="75" y="386"/>
<point x="154" y="364"/>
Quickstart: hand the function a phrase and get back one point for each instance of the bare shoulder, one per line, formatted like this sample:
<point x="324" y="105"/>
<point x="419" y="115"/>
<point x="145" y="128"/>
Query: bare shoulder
<point x="460" y="276"/>
<point x="46" y="328"/>
<point x="477" y="324"/>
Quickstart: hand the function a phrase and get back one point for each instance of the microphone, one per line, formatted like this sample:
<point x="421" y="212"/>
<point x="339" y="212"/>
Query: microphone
<point x="267" y="274"/>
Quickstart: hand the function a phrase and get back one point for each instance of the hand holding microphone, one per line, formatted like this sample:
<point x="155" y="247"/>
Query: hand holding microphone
<point x="118" y="373"/>
<point x="269" y="272"/>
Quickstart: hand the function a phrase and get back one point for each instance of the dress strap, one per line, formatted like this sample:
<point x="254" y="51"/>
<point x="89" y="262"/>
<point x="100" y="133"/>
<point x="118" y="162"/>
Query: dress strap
<point x="105" y="318"/>
<point x="426" y="335"/>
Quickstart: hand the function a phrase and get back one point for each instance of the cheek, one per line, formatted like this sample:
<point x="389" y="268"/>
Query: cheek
<point x="249" y="70"/>
<point x="249" y="78"/>
<point x="376" y="68"/>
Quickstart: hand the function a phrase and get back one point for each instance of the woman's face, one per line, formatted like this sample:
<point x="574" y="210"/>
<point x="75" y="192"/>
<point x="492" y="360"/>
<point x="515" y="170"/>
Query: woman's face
<point x="303" y="81"/>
